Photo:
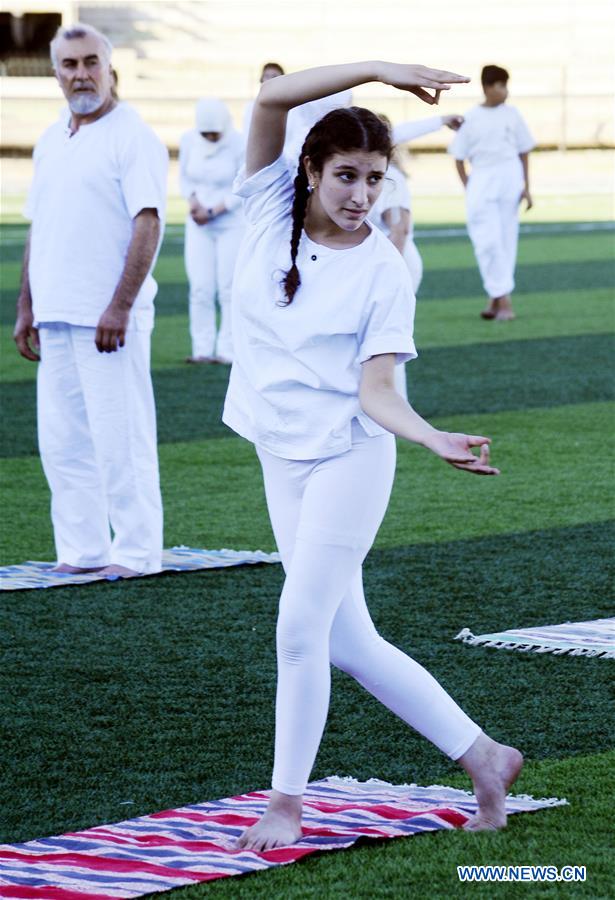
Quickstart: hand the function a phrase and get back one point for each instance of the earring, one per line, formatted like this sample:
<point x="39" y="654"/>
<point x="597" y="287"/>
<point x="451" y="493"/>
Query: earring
<point x="310" y="188"/>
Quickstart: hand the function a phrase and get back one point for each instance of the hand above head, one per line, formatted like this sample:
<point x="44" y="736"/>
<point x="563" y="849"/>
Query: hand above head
<point x="453" y="122"/>
<point x="456" y="449"/>
<point x="417" y="79"/>
<point x="111" y="329"/>
<point x="25" y="336"/>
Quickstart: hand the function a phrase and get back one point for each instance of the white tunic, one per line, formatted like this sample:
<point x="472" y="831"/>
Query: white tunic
<point x="491" y="135"/>
<point x="87" y="188"/>
<point x="209" y="169"/>
<point x="294" y="384"/>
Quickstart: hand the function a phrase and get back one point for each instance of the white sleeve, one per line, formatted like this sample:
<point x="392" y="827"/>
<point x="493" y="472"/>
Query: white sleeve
<point x="409" y="131"/>
<point x="144" y="162"/>
<point x="268" y="194"/>
<point x="523" y="135"/>
<point x="389" y="323"/>
<point x="459" y="146"/>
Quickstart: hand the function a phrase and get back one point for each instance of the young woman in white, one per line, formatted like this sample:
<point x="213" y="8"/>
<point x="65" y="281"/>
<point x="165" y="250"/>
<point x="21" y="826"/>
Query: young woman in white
<point x="322" y="310"/>
<point x="210" y="156"/>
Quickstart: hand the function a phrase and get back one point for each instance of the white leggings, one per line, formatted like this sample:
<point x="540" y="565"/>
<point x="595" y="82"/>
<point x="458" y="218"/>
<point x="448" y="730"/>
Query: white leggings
<point x="325" y="514"/>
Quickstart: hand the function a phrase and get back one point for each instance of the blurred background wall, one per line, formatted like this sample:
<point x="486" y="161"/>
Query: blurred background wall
<point x="559" y="52"/>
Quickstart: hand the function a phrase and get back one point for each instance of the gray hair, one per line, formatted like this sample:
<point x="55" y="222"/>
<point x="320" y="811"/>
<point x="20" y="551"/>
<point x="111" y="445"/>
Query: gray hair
<point x="73" y="32"/>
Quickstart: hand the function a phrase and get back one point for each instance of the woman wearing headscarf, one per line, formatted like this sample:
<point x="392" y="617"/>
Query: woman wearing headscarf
<point x="210" y="156"/>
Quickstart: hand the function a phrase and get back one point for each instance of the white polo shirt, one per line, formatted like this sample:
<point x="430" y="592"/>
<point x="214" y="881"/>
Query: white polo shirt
<point x="491" y="135"/>
<point x="294" y="385"/>
<point x="86" y="191"/>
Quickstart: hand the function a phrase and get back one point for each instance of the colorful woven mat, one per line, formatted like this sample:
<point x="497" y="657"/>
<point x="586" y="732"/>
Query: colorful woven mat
<point x="32" y="574"/>
<point x="595" y="638"/>
<point x="198" y="843"/>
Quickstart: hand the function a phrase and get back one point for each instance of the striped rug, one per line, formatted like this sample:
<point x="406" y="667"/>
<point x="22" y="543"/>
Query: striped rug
<point x="198" y="842"/>
<point x="29" y="575"/>
<point x="595" y="638"/>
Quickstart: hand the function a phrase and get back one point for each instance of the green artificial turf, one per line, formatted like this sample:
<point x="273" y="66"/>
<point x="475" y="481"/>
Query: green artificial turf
<point x="126" y="698"/>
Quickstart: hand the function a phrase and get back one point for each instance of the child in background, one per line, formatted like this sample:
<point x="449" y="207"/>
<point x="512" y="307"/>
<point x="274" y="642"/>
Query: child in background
<point x="496" y="140"/>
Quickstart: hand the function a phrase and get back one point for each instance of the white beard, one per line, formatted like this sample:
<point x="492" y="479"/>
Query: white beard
<point x="85" y="103"/>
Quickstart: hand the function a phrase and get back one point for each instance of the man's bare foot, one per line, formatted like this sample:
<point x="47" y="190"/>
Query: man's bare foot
<point x="491" y="310"/>
<point x="493" y="768"/>
<point x="120" y="571"/>
<point x="505" y="311"/>
<point x="279" y="826"/>
<point x="65" y="569"/>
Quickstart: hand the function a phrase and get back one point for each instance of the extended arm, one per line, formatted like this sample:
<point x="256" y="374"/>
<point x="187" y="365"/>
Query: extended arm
<point x="525" y="194"/>
<point x="111" y="329"/>
<point x="384" y="405"/>
<point x="24" y="334"/>
<point x="278" y="95"/>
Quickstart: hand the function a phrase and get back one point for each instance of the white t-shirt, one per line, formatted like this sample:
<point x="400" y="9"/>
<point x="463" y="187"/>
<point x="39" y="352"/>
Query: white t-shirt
<point x="86" y="191"/>
<point x="491" y="135"/>
<point x="208" y="169"/>
<point x="395" y="194"/>
<point x="294" y="385"/>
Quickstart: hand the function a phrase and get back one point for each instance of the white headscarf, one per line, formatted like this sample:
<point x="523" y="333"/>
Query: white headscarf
<point x="212" y="115"/>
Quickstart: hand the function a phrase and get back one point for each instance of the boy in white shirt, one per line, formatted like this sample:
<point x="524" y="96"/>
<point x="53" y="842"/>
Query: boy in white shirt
<point x="496" y="140"/>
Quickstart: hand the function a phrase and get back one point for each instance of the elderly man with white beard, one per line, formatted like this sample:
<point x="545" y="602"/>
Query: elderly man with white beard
<point x="85" y="313"/>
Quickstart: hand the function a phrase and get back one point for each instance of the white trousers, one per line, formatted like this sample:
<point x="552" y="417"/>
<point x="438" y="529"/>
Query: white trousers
<point x="325" y="514"/>
<point x="210" y="252"/>
<point x="492" y="208"/>
<point x="97" y="440"/>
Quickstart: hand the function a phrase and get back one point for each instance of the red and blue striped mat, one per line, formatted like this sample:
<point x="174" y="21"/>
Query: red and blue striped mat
<point x="197" y="843"/>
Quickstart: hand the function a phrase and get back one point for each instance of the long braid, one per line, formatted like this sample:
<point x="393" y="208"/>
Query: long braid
<point x="292" y="279"/>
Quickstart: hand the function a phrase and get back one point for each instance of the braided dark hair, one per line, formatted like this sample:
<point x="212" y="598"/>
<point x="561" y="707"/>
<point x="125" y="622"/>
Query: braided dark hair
<point x="340" y="131"/>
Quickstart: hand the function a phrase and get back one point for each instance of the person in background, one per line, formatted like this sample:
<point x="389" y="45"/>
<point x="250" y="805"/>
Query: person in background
<point x="86" y="312"/>
<point x="269" y="70"/>
<point x="210" y="156"/>
<point x="392" y="211"/>
<point x="497" y="142"/>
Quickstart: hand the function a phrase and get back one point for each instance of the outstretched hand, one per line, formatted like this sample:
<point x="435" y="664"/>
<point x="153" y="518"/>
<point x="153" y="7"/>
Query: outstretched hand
<point x="456" y="449"/>
<point x="418" y="79"/>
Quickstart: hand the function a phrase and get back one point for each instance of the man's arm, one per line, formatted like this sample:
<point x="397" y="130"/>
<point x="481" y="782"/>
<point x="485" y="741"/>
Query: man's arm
<point x="525" y="194"/>
<point x="111" y="329"/>
<point x="461" y="171"/>
<point x="25" y="335"/>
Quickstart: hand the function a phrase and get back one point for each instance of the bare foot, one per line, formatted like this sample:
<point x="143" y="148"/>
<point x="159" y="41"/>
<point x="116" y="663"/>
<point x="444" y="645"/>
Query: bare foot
<point x="65" y="569"/>
<point x="120" y="571"/>
<point x="491" y="310"/>
<point x="505" y="311"/>
<point x="279" y="826"/>
<point x="493" y="768"/>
